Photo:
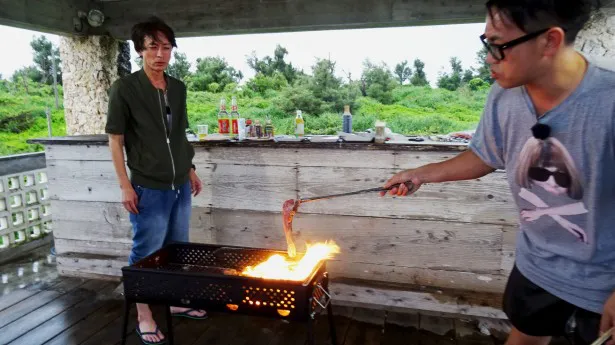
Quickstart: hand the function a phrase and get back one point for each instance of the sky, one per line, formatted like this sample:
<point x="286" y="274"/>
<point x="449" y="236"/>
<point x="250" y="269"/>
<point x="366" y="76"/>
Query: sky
<point x="434" y="45"/>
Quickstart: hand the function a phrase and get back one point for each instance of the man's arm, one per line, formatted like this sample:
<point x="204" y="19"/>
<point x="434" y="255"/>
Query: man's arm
<point x="129" y="197"/>
<point x="465" y="166"/>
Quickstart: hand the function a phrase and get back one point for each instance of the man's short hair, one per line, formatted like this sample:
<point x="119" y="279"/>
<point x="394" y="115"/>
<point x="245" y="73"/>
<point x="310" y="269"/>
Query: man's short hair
<point x="151" y="27"/>
<point x="533" y="15"/>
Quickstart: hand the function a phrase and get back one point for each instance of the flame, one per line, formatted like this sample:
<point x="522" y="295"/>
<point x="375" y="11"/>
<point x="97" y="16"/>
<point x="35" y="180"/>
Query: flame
<point x="281" y="268"/>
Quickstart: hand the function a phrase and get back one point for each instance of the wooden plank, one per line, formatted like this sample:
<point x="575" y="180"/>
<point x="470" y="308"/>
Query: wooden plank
<point x="414" y="159"/>
<point x="91" y="264"/>
<point x="90" y="325"/>
<point x="436" y="330"/>
<point x="97" y="181"/>
<point x="99" y="153"/>
<point x="109" y="222"/>
<point x="116" y="248"/>
<point x="462" y="280"/>
<point x="437" y="325"/>
<point x="78" y="152"/>
<point x="261" y="188"/>
<point x="486" y="200"/>
<point x="32" y="303"/>
<point x="408" y="301"/>
<point x="467" y="333"/>
<point x="110" y="334"/>
<point x="398" y="335"/>
<point x="45" y="323"/>
<point x="301" y="157"/>
<point x="509" y="243"/>
<point x="371" y="241"/>
<point x="360" y="333"/>
<point x="32" y="318"/>
<point x="341" y="319"/>
<point x="402" y="319"/>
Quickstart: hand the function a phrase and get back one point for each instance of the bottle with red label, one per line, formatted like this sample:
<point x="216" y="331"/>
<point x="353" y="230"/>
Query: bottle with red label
<point x="223" y="119"/>
<point x="234" y="117"/>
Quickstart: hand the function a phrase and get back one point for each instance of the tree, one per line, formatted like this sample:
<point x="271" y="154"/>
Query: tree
<point x="403" y="72"/>
<point x="378" y="82"/>
<point x="213" y="74"/>
<point x="324" y="83"/>
<point x="180" y="68"/>
<point x="268" y="65"/>
<point x="45" y="56"/>
<point x="30" y="73"/>
<point x="484" y="70"/>
<point x="467" y="76"/>
<point x="419" y="78"/>
<point x="451" y="81"/>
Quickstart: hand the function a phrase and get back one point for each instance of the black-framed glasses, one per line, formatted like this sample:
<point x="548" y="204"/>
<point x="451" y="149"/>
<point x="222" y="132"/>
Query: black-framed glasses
<point x="497" y="50"/>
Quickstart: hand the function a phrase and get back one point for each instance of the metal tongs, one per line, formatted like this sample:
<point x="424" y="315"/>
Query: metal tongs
<point x="370" y="190"/>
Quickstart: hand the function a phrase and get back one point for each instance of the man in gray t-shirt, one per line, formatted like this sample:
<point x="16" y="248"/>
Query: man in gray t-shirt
<point x="550" y="123"/>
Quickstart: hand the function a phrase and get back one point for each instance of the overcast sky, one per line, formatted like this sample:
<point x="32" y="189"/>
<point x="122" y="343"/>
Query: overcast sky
<point x="348" y="48"/>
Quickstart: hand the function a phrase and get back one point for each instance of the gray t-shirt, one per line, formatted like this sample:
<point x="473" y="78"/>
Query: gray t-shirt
<point x="563" y="185"/>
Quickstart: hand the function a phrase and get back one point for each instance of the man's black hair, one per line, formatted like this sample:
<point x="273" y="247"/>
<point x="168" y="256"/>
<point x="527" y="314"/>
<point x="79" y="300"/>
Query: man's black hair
<point x="150" y="28"/>
<point x="533" y="15"/>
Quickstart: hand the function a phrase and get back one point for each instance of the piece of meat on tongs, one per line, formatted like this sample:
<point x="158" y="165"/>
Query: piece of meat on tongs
<point x="289" y="209"/>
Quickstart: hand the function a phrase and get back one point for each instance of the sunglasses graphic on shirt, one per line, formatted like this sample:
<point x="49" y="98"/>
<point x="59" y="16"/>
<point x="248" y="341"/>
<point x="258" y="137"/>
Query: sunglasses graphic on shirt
<point x="541" y="174"/>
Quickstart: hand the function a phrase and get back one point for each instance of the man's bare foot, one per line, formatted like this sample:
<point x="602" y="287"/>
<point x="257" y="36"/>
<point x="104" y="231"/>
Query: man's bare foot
<point x="198" y="313"/>
<point x="147" y="324"/>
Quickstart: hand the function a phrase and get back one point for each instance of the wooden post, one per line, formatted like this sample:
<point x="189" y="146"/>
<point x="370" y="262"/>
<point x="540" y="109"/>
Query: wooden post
<point x="55" y="81"/>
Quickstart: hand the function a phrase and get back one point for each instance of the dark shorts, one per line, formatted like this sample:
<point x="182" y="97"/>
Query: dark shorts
<point x="536" y="312"/>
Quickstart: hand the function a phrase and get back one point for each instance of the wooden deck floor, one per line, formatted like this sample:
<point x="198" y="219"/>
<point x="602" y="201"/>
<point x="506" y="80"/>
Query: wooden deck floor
<point x="38" y="307"/>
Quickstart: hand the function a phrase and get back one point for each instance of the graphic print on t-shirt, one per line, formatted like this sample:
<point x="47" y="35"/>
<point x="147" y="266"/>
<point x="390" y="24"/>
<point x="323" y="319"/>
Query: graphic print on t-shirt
<point x="545" y="170"/>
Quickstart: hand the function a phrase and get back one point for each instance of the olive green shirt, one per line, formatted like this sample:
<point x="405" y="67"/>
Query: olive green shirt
<point x="158" y="153"/>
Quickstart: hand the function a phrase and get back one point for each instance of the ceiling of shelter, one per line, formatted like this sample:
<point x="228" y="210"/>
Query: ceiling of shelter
<point x="220" y="17"/>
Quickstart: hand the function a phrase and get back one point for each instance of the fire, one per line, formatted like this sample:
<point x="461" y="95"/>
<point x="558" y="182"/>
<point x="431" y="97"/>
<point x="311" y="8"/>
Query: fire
<point x="281" y="268"/>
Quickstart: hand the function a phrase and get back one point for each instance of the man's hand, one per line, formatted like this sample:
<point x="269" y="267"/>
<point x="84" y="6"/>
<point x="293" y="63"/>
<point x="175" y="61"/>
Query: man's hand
<point x="408" y="181"/>
<point x="195" y="183"/>
<point x="608" y="318"/>
<point x="130" y="199"/>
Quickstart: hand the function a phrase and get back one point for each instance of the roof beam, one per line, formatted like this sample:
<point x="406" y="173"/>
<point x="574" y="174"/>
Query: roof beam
<point x="210" y="17"/>
<point x="50" y="16"/>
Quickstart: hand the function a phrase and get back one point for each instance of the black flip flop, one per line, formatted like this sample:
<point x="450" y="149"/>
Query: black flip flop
<point x="187" y="314"/>
<point x="155" y="332"/>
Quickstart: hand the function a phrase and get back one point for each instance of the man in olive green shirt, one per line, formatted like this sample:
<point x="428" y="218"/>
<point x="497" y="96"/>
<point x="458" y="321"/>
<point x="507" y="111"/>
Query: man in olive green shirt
<point x="147" y="117"/>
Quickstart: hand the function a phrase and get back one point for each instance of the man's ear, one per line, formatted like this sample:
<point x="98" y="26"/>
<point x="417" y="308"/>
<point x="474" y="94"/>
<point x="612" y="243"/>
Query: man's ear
<point x="555" y="39"/>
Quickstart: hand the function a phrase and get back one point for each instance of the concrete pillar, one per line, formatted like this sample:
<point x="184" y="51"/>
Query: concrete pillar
<point x="89" y="66"/>
<point x="598" y="36"/>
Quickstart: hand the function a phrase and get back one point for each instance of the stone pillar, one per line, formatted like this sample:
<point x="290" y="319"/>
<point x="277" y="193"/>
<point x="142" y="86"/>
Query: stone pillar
<point x="598" y="36"/>
<point x="89" y="66"/>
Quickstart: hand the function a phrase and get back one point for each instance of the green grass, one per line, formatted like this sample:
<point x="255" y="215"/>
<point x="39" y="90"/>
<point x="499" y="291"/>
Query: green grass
<point x="415" y="111"/>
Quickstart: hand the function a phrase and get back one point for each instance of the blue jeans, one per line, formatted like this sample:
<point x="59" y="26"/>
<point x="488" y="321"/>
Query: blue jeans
<point x="164" y="216"/>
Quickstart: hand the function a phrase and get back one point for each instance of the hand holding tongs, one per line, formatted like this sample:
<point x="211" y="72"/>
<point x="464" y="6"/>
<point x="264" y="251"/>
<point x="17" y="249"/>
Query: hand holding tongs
<point x="604" y="337"/>
<point x="324" y="197"/>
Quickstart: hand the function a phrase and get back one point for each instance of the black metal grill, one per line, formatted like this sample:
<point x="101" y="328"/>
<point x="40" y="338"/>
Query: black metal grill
<point x="209" y="277"/>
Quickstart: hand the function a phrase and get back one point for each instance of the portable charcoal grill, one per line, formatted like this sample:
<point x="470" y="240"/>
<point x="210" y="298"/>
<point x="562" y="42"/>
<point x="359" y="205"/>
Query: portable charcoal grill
<point x="208" y="277"/>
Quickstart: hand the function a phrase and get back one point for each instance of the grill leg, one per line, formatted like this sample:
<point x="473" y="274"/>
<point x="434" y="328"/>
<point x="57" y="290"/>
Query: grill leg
<point x="125" y="325"/>
<point x="331" y="324"/>
<point x="169" y="324"/>
<point x="310" y="330"/>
